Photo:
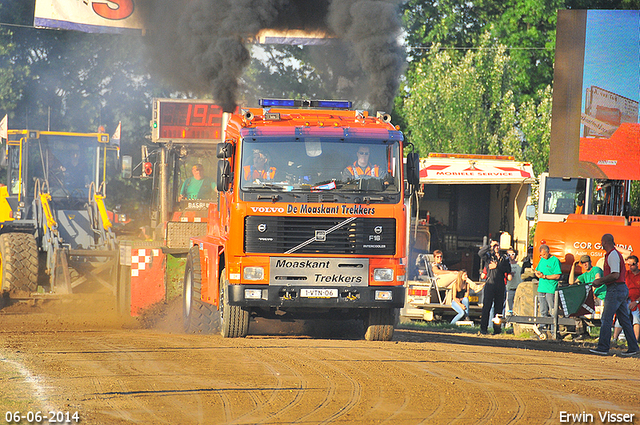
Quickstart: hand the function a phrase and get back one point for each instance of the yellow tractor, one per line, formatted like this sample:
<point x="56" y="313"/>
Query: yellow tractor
<point x="55" y="234"/>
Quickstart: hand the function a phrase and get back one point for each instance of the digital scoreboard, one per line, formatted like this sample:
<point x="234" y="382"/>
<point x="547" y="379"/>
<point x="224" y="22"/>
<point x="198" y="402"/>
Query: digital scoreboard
<point x="186" y="120"/>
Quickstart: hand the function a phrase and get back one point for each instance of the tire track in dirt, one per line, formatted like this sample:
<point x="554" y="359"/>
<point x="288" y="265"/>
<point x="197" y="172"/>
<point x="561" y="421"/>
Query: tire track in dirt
<point x="144" y="376"/>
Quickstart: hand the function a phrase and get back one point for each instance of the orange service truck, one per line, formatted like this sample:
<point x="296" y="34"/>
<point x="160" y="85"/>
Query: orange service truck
<point x="574" y="213"/>
<point x="310" y="221"/>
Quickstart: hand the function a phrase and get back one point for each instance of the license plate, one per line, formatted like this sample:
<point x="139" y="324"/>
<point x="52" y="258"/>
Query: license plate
<point x="473" y="299"/>
<point x="318" y="293"/>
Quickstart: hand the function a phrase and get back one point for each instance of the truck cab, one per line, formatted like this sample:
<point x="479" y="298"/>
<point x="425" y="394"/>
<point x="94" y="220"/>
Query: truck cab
<point x="310" y="220"/>
<point x="574" y="213"/>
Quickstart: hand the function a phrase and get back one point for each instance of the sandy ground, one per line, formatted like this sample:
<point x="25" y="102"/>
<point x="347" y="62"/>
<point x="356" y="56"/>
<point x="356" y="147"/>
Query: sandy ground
<point x="140" y="371"/>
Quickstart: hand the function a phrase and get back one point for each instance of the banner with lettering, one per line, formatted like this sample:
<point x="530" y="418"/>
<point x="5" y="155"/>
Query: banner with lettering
<point x="113" y="16"/>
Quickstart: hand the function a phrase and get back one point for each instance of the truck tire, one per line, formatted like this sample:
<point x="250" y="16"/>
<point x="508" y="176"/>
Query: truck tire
<point x="198" y="316"/>
<point x="19" y="262"/>
<point x="523" y="305"/>
<point x="234" y="320"/>
<point x="379" y="324"/>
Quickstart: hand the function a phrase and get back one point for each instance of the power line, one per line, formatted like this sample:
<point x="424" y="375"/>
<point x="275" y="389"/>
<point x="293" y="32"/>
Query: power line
<point x="480" y="48"/>
<point x="16" y="25"/>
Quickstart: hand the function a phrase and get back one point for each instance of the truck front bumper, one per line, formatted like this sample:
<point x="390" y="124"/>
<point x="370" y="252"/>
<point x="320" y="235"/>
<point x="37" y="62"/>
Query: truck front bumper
<point x="307" y="296"/>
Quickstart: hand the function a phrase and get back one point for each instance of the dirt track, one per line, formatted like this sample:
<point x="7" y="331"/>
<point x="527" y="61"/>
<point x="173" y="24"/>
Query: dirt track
<point x="118" y="373"/>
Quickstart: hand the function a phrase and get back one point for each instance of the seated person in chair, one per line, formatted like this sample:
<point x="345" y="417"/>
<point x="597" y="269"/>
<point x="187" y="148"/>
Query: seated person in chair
<point x="441" y="272"/>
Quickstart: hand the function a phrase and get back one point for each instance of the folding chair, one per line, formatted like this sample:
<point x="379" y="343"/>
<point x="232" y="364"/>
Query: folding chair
<point x="432" y="281"/>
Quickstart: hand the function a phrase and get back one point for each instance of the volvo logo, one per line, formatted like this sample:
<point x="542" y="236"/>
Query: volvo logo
<point x="377" y="230"/>
<point x="262" y="227"/>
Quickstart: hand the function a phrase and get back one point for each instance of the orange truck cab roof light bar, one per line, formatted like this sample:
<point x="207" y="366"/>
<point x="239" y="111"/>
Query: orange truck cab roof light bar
<point x="338" y="132"/>
<point x="301" y="103"/>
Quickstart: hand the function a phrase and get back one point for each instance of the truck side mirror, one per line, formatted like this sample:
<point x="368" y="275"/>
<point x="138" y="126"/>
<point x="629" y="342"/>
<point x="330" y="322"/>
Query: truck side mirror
<point x="413" y="169"/>
<point x="127" y="164"/>
<point x="530" y="212"/>
<point x="224" y="175"/>
<point x="224" y="150"/>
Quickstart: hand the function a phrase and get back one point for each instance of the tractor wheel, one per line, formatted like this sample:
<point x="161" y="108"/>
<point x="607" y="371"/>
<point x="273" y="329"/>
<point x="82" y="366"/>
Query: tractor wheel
<point x="379" y="324"/>
<point x="234" y="319"/>
<point x="198" y="316"/>
<point x="19" y="262"/>
<point x="523" y="305"/>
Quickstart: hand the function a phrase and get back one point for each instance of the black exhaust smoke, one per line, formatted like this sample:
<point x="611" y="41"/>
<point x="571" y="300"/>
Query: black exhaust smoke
<point x="200" y="44"/>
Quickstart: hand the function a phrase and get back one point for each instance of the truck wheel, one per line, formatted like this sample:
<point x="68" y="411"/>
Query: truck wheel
<point x="198" y="316"/>
<point x="19" y="262"/>
<point x="234" y="320"/>
<point x="523" y="305"/>
<point x="379" y="324"/>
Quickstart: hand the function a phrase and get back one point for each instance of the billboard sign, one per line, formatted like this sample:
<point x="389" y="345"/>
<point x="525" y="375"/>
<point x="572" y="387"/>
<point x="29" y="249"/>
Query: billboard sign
<point x="594" y="125"/>
<point x="113" y="16"/>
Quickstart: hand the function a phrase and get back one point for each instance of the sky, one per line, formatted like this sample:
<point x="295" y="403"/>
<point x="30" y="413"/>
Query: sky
<point x="612" y="52"/>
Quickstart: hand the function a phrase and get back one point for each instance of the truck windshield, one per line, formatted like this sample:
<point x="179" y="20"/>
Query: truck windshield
<point x="564" y="196"/>
<point x="320" y="164"/>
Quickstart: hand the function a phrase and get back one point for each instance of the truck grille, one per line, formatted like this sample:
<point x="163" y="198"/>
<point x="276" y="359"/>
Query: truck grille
<point x="279" y="235"/>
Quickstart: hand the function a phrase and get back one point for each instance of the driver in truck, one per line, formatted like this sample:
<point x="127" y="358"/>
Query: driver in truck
<point x="198" y="186"/>
<point x="361" y="167"/>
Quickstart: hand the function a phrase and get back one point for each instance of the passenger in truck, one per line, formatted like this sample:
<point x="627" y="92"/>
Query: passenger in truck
<point x="260" y="169"/>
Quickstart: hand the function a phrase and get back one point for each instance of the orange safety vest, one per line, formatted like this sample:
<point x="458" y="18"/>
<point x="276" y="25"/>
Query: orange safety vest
<point x="251" y="174"/>
<point x="357" y="171"/>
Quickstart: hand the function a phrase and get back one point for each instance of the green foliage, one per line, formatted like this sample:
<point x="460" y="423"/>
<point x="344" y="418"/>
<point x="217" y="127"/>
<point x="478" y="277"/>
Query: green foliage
<point x="635" y="198"/>
<point x="525" y="28"/>
<point x="462" y="106"/>
<point x="535" y="124"/>
<point x="466" y="105"/>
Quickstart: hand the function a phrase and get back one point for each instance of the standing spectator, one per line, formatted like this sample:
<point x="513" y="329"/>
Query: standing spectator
<point x="496" y="273"/>
<point x="632" y="279"/>
<point x="516" y="278"/>
<point x="548" y="272"/>
<point x="441" y="272"/>
<point x="616" y="300"/>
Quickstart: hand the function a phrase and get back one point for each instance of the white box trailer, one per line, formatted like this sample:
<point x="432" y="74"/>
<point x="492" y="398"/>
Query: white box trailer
<point x="464" y="201"/>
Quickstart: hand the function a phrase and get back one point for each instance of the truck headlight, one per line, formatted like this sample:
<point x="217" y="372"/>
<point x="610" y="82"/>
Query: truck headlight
<point x="383" y="275"/>
<point x="383" y="296"/>
<point x="253" y="294"/>
<point x="253" y="273"/>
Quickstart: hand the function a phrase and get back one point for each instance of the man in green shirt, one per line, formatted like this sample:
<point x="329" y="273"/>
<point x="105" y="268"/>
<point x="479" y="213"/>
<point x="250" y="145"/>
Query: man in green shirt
<point x="198" y="186"/>
<point x="548" y="273"/>
<point x="589" y="274"/>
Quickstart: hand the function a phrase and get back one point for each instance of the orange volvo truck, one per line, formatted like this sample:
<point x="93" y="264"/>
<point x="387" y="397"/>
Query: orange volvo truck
<point x="310" y="221"/>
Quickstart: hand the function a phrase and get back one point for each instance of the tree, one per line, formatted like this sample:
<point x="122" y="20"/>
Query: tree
<point x="467" y="106"/>
<point x="535" y="124"/>
<point x="526" y="28"/>
<point x="464" y="107"/>
<point x="13" y="75"/>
